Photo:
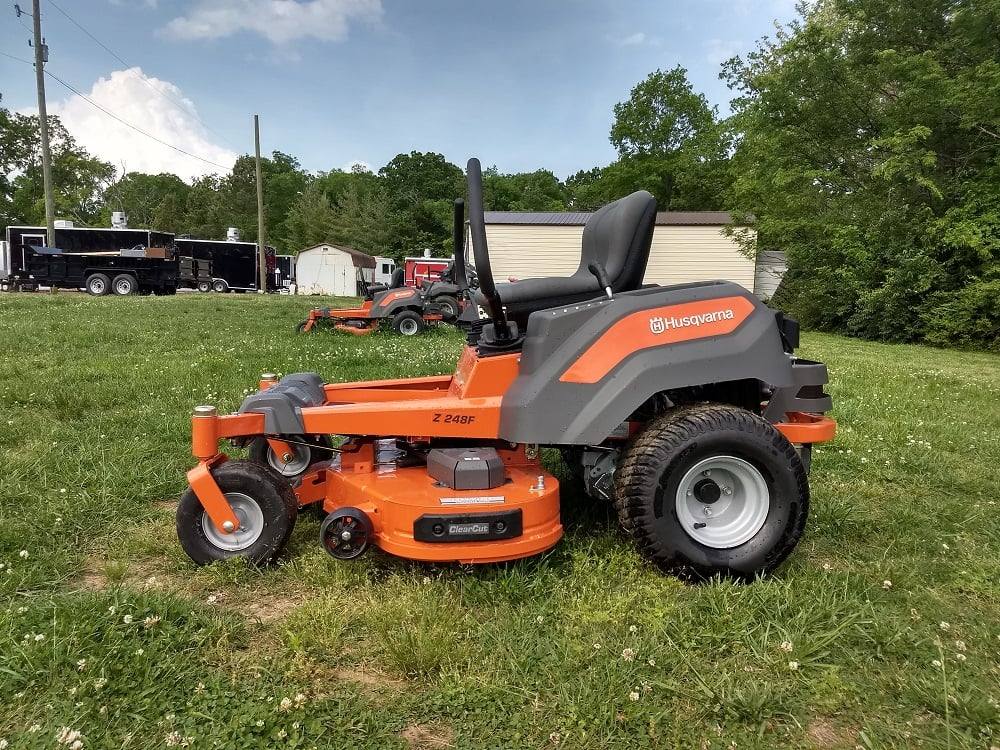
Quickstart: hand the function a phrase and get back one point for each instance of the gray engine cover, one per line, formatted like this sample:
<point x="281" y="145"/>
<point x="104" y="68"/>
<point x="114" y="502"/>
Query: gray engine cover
<point x="539" y="408"/>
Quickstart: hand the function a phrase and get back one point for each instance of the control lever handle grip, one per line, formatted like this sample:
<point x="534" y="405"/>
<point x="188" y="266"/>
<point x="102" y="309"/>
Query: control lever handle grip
<point x="602" y="276"/>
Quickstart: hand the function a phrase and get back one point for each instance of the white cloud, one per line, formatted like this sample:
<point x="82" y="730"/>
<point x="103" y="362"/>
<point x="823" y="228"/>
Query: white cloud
<point x="357" y="165"/>
<point x="637" y="38"/>
<point x="279" y="21"/>
<point x="168" y="115"/>
<point x="717" y="51"/>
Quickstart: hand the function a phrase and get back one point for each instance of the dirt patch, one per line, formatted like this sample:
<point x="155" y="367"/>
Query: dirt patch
<point x="166" y="505"/>
<point x="824" y="733"/>
<point x="93" y="577"/>
<point x="368" y="679"/>
<point x="427" y="736"/>
<point x="265" y="609"/>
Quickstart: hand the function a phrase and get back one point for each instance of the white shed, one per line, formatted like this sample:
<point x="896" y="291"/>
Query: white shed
<point x="687" y="246"/>
<point x="333" y="269"/>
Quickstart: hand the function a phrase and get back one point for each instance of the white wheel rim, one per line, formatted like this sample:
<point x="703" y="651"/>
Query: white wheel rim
<point x="408" y="327"/>
<point x="251" y="519"/>
<point x="740" y="510"/>
<point x="301" y="456"/>
<point x="97" y="285"/>
<point x="124" y="286"/>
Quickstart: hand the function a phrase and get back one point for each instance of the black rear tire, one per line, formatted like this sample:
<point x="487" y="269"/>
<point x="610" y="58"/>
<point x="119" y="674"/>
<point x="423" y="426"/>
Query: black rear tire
<point x="124" y="285"/>
<point x="204" y="287"/>
<point x="301" y="327"/>
<point x="98" y="284"/>
<point x="256" y="488"/>
<point x="408" y="323"/>
<point x="448" y="306"/>
<point x="651" y="501"/>
<point x="220" y="286"/>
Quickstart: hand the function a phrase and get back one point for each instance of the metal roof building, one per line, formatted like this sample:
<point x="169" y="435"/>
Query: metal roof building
<point x="687" y="246"/>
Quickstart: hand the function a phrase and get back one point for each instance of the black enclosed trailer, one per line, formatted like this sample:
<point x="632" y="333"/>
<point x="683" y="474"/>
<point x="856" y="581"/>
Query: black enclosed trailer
<point x="234" y="264"/>
<point x="285" y="272"/>
<point x="145" y="259"/>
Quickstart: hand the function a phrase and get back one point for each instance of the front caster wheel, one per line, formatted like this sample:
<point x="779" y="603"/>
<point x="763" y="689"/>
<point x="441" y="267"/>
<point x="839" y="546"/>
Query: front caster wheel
<point x="346" y="533"/>
<point x="712" y="490"/>
<point x="306" y="450"/>
<point x="264" y="504"/>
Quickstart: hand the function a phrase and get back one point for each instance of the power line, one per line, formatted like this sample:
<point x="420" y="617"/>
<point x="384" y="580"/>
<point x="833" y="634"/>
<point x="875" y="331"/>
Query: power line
<point x="170" y="98"/>
<point x="111" y="114"/>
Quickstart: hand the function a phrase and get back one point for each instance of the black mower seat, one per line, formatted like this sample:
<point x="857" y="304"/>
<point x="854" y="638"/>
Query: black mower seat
<point x="617" y="236"/>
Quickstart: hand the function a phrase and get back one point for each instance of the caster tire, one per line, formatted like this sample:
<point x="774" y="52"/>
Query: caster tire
<point x="408" y="323"/>
<point x="305" y="456"/>
<point x="346" y="533"/>
<point x="712" y="490"/>
<point x="265" y="505"/>
<point x="301" y="327"/>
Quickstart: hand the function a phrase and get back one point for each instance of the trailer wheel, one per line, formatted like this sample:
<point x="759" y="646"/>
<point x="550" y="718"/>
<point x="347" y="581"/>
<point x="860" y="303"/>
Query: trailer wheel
<point x="407" y="323"/>
<point x="220" y="286"/>
<point x="124" y="285"/>
<point x="204" y="286"/>
<point x="98" y="284"/>
<point x="264" y="504"/>
<point x="448" y="306"/>
<point x="307" y="450"/>
<point x="712" y="490"/>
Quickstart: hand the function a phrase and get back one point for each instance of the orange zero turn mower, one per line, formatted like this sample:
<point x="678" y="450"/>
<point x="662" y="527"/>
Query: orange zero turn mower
<point x="684" y="406"/>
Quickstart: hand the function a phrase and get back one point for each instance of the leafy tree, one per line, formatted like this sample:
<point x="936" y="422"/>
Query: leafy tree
<point x="524" y="191"/>
<point x="310" y="220"/>
<point x="421" y="188"/>
<point x="668" y="143"/>
<point x="365" y="221"/>
<point x="870" y="152"/>
<point x="78" y="178"/>
<point x="148" y="200"/>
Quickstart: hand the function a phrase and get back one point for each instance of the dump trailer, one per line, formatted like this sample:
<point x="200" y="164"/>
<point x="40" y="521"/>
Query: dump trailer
<point x="100" y="260"/>
<point x="234" y="264"/>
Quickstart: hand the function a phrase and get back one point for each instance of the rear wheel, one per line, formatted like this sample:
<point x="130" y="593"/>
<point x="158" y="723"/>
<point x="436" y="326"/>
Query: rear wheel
<point x="124" y="285"/>
<point x="220" y="286"/>
<point x="264" y="504"/>
<point x="204" y="286"/>
<point x="407" y="323"/>
<point x="448" y="306"/>
<point x="98" y="284"/>
<point x="712" y="490"/>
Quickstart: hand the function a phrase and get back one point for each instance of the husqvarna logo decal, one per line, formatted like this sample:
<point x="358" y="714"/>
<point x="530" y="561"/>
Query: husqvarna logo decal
<point x="656" y="327"/>
<point x="659" y="325"/>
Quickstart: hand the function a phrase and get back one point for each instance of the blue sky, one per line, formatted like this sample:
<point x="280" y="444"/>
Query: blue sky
<point x="521" y="84"/>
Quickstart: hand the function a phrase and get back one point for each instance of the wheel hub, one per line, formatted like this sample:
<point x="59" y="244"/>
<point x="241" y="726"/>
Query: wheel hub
<point x="251" y="519"/>
<point x="722" y="501"/>
<point x="290" y="464"/>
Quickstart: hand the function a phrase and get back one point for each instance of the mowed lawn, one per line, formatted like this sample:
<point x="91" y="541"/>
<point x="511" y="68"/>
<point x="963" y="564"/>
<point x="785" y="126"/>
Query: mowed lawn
<point x="882" y="629"/>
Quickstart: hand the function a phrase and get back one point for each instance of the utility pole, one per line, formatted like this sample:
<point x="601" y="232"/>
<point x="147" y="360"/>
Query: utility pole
<point x="261" y="238"/>
<point x="42" y="57"/>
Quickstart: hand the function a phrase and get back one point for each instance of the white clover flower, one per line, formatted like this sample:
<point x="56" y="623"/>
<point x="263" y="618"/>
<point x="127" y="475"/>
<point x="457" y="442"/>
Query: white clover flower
<point x="35" y="728"/>
<point x="212" y="598"/>
<point x="554" y="737"/>
<point x="633" y="629"/>
<point x="81" y="665"/>
<point x="597" y="647"/>
<point x="633" y="696"/>
<point x="285" y="705"/>
<point x="944" y="625"/>
<point x="4" y="744"/>
<point x="150" y="621"/>
<point x="76" y="745"/>
<point x="827" y="566"/>
<point x="23" y="554"/>
<point x="793" y="665"/>
<point x="960" y="656"/>
<point x="100" y="682"/>
<point x="539" y="619"/>
<point x="887" y="584"/>
<point x="936" y="663"/>
<point x="67" y="736"/>
<point x="139" y="651"/>
<point x="787" y="646"/>
<point x="628" y="655"/>
<point x="173" y="739"/>
<point x="960" y="645"/>
<point x="127" y="619"/>
<point x="39" y="637"/>
<point x="300" y="700"/>
<point x="651" y="662"/>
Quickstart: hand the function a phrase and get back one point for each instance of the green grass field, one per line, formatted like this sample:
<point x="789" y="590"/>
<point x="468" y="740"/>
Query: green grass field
<point x="882" y="630"/>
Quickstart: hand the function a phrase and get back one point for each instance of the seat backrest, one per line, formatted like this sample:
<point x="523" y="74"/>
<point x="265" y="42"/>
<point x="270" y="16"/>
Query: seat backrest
<point x="398" y="278"/>
<point x="619" y="236"/>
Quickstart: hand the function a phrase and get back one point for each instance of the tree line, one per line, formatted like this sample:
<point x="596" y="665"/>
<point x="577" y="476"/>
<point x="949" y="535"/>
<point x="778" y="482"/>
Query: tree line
<point x="864" y="142"/>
